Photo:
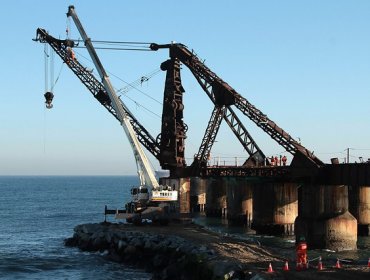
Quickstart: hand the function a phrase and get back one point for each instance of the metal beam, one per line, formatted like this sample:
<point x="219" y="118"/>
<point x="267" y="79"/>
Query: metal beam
<point x="235" y="124"/>
<point x="210" y="135"/>
<point x="173" y="131"/>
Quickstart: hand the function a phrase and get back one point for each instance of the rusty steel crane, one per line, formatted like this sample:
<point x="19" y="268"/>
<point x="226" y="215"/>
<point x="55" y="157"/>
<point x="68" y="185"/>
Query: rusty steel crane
<point x="169" y="145"/>
<point x="223" y="96"/>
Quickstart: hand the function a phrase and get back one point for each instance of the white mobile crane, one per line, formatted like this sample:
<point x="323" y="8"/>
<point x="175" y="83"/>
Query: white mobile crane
<point x="150" y="200"/>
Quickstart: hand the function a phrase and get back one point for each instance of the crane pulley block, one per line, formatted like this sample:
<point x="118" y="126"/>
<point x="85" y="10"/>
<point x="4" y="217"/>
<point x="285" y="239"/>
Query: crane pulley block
<point x="49" y="99"/>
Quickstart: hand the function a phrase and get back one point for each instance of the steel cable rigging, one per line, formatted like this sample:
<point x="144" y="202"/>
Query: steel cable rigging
<point x="133" y="85"/>
<point x="119" y="45"/>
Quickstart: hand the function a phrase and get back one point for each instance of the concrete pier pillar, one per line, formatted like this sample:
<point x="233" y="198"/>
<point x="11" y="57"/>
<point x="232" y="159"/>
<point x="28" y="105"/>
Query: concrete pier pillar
<point x="275" y="208"/>
<point x="182" y="185"/>
<point x="198" y="188"/>
<point x="239" y="201"/>
<point x="323" y="217"/>
<point x="359" y="206"/>
<point x="215" y="198"/>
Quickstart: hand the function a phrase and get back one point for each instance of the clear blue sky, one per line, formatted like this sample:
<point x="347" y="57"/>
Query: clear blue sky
<point x="306" y="64"/>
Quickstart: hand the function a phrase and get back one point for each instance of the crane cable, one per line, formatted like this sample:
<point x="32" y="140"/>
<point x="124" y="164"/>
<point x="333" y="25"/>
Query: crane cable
<point x="118" y="49"/>
<point x="57" y="79"/>
<point x="50" y="83"/>
<point x="139" y="81"/>
<point x="124" y="46"/>
<point x="131" y="86"/>
<point x="46" y="66"/>
<point x="46" y="81"/>
<point x="128" y="85"/>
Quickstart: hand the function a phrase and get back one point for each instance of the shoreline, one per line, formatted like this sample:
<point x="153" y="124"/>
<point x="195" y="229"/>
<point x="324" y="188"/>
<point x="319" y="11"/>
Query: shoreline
<point x="190" y="251"/>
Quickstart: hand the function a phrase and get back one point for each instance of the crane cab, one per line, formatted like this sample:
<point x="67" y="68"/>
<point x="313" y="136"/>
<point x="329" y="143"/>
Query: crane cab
<point x="163" y="194"/>
<point x="140" y="194"/>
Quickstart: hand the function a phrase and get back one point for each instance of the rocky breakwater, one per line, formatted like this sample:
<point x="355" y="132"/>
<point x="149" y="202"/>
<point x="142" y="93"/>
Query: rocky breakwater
<point x="165" y="256"/>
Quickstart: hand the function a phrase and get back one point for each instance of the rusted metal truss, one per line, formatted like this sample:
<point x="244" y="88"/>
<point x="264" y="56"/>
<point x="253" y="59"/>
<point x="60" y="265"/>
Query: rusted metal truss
<point x="173" y="132"/>
<point x="272" y="129"/>
<point x="223" y="94"/>
<point x="61" y="47"/>
<point x="256" y="156"/>
<point x="210" y="135"/>
<point x="255" y="153"/>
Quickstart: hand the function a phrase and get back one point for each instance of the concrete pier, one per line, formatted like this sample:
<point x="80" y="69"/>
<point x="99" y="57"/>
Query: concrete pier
<point x="319" y="212"/>
<point x="239" y="192"/>
<point x="182" y="185"/>
<point x="323" y="217"/>
<point x="359" y="197"/>
<point x="216" y="205"/>
<point x="198" y="187"/>
<point x="275" y="208"/>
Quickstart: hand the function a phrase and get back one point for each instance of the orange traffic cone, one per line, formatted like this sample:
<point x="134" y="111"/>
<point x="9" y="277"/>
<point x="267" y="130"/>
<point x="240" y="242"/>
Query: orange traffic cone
<point x="270" y="270"/>
<point x="319" y="265"/>
<point x="337" y="264"/>
<point x="286" y="266"/>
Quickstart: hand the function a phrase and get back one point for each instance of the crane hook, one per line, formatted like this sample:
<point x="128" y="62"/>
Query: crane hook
<point x="49" y="99"/>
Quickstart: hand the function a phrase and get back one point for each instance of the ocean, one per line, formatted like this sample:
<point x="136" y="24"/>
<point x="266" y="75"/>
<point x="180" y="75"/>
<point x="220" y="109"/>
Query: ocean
<point x="38" y="213"/>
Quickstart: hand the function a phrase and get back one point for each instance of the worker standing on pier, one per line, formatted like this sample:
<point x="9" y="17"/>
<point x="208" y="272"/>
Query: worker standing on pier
<point x="284" y="159"/>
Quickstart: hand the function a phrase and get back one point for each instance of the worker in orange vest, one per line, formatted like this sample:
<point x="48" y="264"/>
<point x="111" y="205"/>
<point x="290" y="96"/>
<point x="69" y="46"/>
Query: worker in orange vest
<point x="70" y="54"/>
<point x="301" y="251"/>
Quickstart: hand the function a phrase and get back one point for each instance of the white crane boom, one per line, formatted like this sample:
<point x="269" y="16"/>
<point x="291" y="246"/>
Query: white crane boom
<point x="145" y="172"/>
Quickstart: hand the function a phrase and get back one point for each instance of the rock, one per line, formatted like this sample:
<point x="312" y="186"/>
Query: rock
<point x="203" y="248"/>
<point x="159" y="261"/>
<point x="130" y="250"/>
<point x="88" y="228"/>
<point x="167" y="257"/>
<point x="137" y="242"/>
<point x="108" y="237"/>
<point x="148" y="244"/>
<point x="114" y="257"/>
<point x="171" y="272"/>
<point x="222" y="268"/>
<point x="259" y="277"/>
<point x="71" y="242"/>
<point x="121" y="244"/>
<point x="99" y="243"/>
<point x="229" y="275"/>
<point x="84" y="237"/>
